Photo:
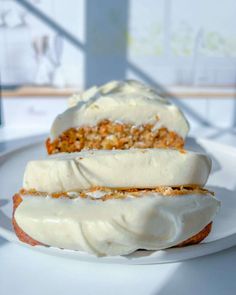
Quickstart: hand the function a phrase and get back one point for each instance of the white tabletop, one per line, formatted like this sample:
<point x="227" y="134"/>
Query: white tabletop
<point x="24" y="271"/>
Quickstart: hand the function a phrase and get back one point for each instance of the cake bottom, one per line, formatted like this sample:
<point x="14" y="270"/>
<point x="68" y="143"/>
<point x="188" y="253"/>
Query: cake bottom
<point x="88" y="232"/>
<point x="112" y="135"/>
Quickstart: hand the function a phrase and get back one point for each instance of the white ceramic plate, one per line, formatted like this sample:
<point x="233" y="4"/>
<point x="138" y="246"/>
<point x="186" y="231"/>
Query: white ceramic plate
<point x="222" y="181"/>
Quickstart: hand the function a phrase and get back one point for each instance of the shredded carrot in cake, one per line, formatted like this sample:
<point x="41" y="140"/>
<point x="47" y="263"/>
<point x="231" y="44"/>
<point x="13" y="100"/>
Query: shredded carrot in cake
<point x="112" y="135"/>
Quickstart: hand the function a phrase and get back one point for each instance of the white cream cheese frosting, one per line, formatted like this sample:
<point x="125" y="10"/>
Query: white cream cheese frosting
<point x="126" y="86"/>
<point x="134" y="168"/>
<point x="125" y="102"/>
<point x="115" y="227"/>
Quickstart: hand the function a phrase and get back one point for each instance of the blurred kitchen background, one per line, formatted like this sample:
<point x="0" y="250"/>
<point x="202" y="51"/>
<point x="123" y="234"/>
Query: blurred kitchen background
<point x="50" y="49"/>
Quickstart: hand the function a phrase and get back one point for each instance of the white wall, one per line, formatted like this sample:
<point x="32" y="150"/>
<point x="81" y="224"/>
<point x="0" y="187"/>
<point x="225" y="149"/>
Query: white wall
<point x="161" y="42"/>
<point x="170" y="42"/>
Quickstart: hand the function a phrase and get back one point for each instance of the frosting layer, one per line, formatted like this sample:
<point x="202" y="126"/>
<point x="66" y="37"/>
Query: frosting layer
<point x="127" y="102"/>
<point x="115" y="227"/>
<point x="134" y="168"/>
<point x="126" y="86"/>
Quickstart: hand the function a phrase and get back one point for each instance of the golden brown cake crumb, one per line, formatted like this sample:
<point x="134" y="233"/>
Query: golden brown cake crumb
<point x="111" y="193"/>
<point x="112" y="135"/>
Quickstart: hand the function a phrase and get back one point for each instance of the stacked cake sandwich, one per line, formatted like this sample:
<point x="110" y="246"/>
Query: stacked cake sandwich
<point x="114" y="200"/>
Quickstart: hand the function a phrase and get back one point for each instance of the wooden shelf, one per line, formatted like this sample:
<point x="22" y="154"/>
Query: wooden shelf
<point x="178" y="91"/>
<point x="39" y="92"/>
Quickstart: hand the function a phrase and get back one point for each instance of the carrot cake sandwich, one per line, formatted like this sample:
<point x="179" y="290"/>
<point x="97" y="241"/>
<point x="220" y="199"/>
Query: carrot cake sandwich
<point x="114" y="202"/>
<point x="118" y="115"/>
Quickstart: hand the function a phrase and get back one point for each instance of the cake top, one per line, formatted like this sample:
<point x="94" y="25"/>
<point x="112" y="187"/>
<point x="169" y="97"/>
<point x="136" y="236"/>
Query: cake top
<point x="127" y="102"/>
<point x="118" y="169"/>
<point x="121" y="87"/>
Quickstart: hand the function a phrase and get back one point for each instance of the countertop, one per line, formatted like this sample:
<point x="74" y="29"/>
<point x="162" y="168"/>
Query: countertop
<point x="24" y="271"/>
